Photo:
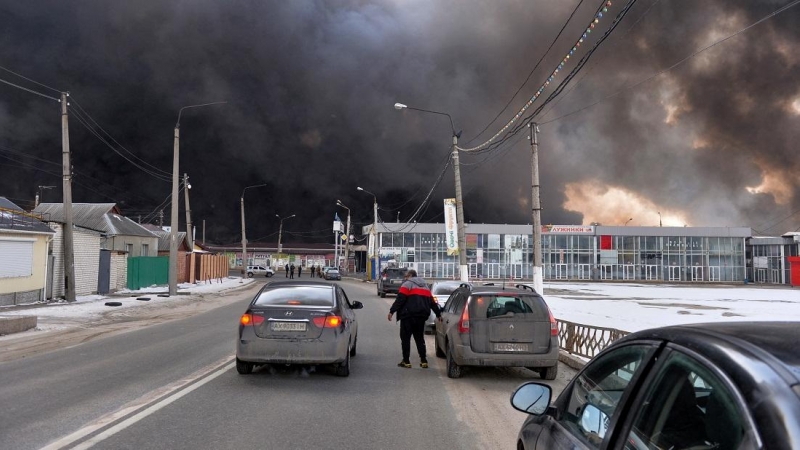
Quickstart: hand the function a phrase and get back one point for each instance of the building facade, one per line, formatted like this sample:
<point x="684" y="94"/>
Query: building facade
<point x="572" y="252"/>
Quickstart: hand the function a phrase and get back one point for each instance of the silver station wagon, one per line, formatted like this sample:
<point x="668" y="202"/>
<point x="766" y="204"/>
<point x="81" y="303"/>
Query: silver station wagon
<point x="498" y="326"/>
<point x="298" y="322"/>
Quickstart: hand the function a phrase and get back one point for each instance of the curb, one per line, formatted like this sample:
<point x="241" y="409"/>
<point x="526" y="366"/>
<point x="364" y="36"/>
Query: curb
<point x="16" y="324"/>
<point x="571" y="360"/>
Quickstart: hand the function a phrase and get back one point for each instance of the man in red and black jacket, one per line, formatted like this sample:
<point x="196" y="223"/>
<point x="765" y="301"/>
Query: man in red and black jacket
<point x="413" y="306"/>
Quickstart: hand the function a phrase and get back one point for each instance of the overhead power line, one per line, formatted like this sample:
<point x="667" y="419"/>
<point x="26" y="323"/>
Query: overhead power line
<point x="639" y="83"/>
<point x="32" y="81"/>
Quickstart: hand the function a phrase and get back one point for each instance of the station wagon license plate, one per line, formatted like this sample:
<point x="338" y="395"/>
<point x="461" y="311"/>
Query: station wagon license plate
<point x="510" y="347"/>
<point x="288" y="326"/>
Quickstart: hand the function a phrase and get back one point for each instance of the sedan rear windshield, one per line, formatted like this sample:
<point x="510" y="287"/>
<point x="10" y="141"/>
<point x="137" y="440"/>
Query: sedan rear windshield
<point x="396" y="273"/>
<point x="296" y="296"/>
<point x="489" y="306"/>
<point x="443" y="290"/>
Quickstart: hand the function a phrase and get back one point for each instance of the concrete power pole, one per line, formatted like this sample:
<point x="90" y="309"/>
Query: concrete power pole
<point x="69" y="242"/>
<point x="462" y="241"/>
<point x="536" y="210"/>
<point x="347" y="243"/>
<point x="189" y="233"/>
<point x="173" y="230"/>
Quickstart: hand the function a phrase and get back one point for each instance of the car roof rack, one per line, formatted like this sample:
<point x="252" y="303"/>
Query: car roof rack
<point x="525" y="286"/>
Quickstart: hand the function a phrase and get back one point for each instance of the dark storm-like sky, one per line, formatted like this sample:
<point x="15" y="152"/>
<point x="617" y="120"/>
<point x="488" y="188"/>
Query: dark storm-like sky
<point x="310" y="86"/>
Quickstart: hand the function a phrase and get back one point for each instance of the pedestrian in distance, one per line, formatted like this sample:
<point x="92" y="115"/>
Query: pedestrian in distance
<point x="291" y="271"/>
<point x="299" y="270"/>
<point x="287" y="271"/>
<point x="413" y="306"/>
<point x="313" y="268"/>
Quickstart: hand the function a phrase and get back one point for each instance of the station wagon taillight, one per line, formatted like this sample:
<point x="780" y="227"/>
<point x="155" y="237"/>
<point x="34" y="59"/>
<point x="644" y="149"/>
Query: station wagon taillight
<point x="463" y="323"/>
<point x="553" y="324"/>
<point x="327" y="321"/>
<point x="250" y="319"/>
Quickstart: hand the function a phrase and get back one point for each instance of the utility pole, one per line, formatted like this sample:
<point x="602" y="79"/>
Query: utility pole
<point x="161" y="219"/>
<point x="536" y="209"/>
<point x="189" y="233"/>
<point x="347" y="243"/>
<point x="204" y="231"/>
<point x="69" y="242"/>
<point x="173" y="237"/>
<point x="462" y="241"/>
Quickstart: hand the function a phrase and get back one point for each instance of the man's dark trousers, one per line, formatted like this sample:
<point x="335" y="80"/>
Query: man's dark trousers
<point x="413" y="326"/>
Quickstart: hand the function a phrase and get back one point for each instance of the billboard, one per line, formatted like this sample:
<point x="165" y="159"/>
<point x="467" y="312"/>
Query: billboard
<point x="450" y="226"/>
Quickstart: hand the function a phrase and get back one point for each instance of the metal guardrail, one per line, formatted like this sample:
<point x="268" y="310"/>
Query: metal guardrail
<point x="586" y="340"/>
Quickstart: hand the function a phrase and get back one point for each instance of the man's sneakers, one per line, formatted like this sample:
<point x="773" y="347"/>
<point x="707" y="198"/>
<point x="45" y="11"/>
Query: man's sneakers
<point x="404" y="364"/>
<point x="424" y="364"/>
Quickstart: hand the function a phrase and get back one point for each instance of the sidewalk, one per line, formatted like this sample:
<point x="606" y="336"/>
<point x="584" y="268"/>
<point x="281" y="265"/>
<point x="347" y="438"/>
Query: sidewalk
<point x="15" y="319"/>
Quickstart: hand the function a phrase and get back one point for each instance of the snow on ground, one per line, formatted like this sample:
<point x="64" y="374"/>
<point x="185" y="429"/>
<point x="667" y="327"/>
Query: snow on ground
<point x="59" y="315"/>
<point x="628" y="307"/>
<point x="633" y="307"/>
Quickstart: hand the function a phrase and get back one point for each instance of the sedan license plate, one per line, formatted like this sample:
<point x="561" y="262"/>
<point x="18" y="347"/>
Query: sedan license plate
<point x="288" y="326"/>
<point x="510" y="347"/>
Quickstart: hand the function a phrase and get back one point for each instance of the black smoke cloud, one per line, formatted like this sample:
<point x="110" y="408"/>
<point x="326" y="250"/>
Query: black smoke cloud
<point x="310" y="87"/>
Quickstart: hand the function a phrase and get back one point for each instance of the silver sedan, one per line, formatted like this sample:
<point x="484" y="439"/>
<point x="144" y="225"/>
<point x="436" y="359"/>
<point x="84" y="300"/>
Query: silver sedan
<point x="441" y="291"/>
<point x="298" y="322"/>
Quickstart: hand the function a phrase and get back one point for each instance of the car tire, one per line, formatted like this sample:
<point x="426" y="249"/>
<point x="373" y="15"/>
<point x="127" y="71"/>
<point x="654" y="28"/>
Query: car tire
<point x="269" y="274"/>
<point x="243" y="367"/>
<point x="249" y="274"/>
<point x="353" y="350"/>
<point x="383" y="294"/>
<point x="439" y="352"/>
<point x="453" y="369"/>
<point x="547" y="373"/>
<point x="343" y="368"/>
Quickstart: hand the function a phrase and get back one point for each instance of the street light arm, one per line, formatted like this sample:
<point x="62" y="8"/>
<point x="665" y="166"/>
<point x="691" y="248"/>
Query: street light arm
<point x="400" y="106"/>
<point x="253" y="186"/>
<point x="178" y="123"/>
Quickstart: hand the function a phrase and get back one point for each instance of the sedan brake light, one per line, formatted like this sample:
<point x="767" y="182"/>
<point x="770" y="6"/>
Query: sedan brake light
<point x="463" y="323"/>
<point x="327" y="321"/>
<point x="250" y="319"/>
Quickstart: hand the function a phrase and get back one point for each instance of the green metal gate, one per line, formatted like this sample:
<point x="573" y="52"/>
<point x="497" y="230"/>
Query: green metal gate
<point x="146" y="271"/>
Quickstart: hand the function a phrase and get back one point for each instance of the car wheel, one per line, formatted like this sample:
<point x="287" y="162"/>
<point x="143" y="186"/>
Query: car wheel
<point x="343" y="368"/>
<point x="383" y="294"/>
<point x="269" y="274"/>
<point x="353" y="350"/>
<point x="547" y="373"/>
<point x="243" y="367"/>
<point x="439" y="351"/>
<point x="249" y="274"/>
<point x="453" y="369"/>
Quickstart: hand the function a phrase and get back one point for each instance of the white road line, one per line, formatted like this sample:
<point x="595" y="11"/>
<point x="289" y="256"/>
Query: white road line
<point x="173" y="392"/>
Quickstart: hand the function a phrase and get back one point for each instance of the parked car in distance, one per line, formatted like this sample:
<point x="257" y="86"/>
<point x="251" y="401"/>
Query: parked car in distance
<point x="259" y="270"/>
<point x="332" y="274"/>
<point x="441" y="291"/>
<point x="298" y="322"/>
<point x="497" y="326"/>
<point x="390" y="280"/>
<point x="701" y="386"/>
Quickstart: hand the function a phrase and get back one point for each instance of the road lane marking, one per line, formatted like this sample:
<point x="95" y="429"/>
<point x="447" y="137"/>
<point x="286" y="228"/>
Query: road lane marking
<point x="162" y="397"/>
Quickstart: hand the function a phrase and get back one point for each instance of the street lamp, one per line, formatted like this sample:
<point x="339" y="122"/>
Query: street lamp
<point x="461" y="227"/>
<point x="280" y="231"/>
<point x="244" y="237"/>
<point x="347" y="230"/>
<point x="626" y="222"/>
<point x="173" y="231"/>
<point x="374" y="234"/>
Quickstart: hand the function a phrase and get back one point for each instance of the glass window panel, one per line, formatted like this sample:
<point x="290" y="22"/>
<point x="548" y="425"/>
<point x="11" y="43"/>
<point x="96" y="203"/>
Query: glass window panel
<point x="494" y="241"/>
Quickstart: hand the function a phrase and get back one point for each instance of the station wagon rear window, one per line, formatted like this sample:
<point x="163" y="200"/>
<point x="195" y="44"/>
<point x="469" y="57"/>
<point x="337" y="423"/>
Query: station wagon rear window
<point x="502" y="305"/>
<point x="296" y="296"/>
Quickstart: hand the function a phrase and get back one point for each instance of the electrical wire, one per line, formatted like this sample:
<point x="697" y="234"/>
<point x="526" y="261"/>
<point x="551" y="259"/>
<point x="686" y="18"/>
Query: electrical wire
<point x="639" y="83"/>
<point x="29" y="90"/>
<point x="530" y="74"/>
<point x="152" y="167"/>
<point x="32" y="81"/>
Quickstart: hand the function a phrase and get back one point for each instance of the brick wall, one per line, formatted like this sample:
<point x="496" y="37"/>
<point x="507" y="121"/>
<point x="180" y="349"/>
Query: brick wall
<point x="119" y="271"/>
<point x="87" y="260"/>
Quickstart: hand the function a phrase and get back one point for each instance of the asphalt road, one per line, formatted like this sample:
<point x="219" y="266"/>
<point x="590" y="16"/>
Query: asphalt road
<point x="165" y="380"/>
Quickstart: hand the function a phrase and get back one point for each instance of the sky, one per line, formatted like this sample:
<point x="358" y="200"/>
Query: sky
<point x="627" y="307"/>
<point x="310" y="85"/>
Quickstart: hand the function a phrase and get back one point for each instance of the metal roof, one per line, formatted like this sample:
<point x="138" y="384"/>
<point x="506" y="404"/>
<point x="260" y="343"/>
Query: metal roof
<point x="96" y="216"/>
<point x="14" y="218"/>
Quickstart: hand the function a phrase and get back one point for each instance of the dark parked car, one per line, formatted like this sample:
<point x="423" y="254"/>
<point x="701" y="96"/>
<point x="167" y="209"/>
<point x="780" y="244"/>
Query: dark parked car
<point x="497" y="326"/>
<point x="706" y="386"/>
<point x="332" y="274"/>
<point x="298" y="322"/>
<point x="390" y="280"/>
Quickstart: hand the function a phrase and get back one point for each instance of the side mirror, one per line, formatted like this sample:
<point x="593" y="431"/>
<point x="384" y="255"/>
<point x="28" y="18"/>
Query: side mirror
<point x="357" y="305"/>
<point x="594" y="421"/>
<point x="532" y="398"/>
